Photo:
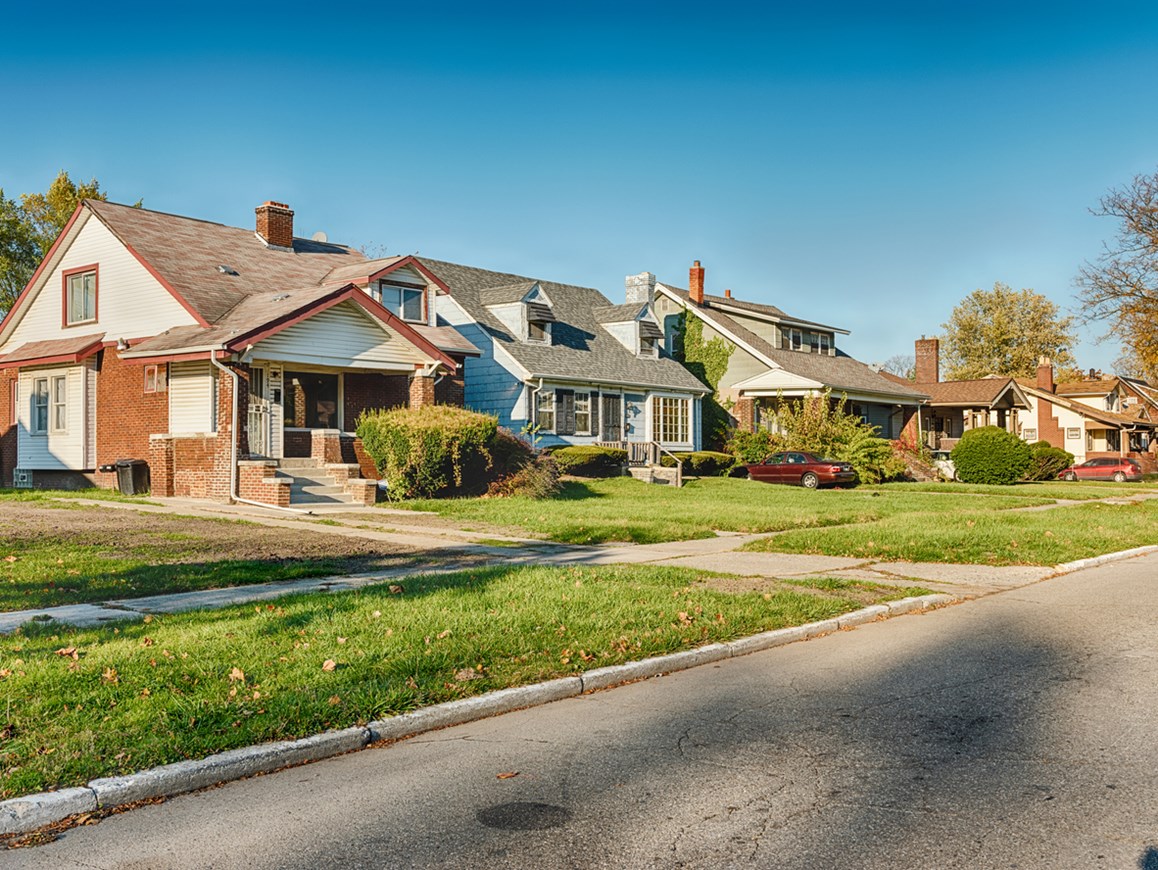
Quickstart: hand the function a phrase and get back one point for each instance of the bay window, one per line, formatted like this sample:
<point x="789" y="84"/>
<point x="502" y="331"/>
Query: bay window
<point x="669" y="420"/>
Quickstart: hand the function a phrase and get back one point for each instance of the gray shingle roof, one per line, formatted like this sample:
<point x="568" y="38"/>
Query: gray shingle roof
<point x="186" y="253"/>
<point x="754" y="307"/>
<point x="581" y="349"/>
<point x="506" y="294"/>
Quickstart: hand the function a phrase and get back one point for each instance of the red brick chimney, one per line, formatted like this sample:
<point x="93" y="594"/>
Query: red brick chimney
<point x="696" y="283"/>
<point x="1045" y="374"/>
<point x="727" y="294"/>
<point x="928" y="360"/>
<point x="275" y="224"/>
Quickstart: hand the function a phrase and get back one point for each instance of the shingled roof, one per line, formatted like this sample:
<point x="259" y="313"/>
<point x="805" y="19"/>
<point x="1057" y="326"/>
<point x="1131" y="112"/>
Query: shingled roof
<point x="580" y="350"/>
<point x="975" y="393"/>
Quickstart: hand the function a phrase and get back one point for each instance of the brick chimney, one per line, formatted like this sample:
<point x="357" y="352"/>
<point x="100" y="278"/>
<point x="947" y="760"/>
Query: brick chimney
<point x="727" y="294"/>
<point x="696" y="283"/>
<point x="1045" y="374"/>
<point x="275" y="224"/>
<point x="640" y="288"/>
<point x="928" y="360"/>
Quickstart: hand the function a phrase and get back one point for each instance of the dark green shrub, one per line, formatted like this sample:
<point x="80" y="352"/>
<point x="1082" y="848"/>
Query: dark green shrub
<point x="536" y="479"/>
<point x="430" y="451"/>
<point x="1046" y="461"/>
<point x="587" y="460"/>
<point x="509" y="453"/>
<point x="990" y="455"/>
<point x="752" y="447"/>
<point x="702" y="463"/>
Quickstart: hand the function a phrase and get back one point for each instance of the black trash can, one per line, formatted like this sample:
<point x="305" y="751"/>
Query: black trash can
<point x="132" y="476"/>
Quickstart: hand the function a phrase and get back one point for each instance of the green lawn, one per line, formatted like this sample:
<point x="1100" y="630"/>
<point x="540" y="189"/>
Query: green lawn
<point x="50" y="495"/>
<point x="624" y="509"/>
<point x="984" y="538"/>
<point x="85" y="703"/>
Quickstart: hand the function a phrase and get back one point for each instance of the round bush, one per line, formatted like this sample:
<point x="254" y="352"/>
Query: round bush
<point x="1046" y="461"/>
<point x="990" y="455"/>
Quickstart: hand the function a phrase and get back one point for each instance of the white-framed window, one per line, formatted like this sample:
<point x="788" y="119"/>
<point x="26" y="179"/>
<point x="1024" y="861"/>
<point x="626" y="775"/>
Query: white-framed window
<point x="1029" y="434"/>
<point x="825" y="343"/>
<point x="401" y="300"/>
<point x="39" y="422"/>
<point x="1073" y="434"/>
<point x="156" y="378"/>
<point x="795" y="339"/>
<point x="545" y="411"/>
<point x="582" y="413"/>
<point x="1111" y="401"/>
<point x="669" y="420"/>
<point x="80" y="296"/>
<point x="59" y="420"/>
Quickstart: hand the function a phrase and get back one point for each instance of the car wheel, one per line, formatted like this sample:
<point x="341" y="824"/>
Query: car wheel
<point x="1071" y="476"/>
<point x="810" y="481"/>
<point x="1119" y="477"/>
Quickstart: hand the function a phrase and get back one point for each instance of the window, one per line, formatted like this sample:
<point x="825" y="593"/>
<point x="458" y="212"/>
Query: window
<point x="545" y="416"/>
<point x="402" y="300"/>
<point x="156" y="379"/>
<point x="538" y="331"/>
<point x="669" y="422"/>
<point x="40" y="406"/>
<point x="1113" y="439"/>
<point x="647" y="346"/>
<point x="60" y="404"/>
<point x="795" y="339"/>
<point x="80" y="295"/>
<point x="1112" y="402"/>
<point x="582" y="413"/>
<point x="1029" y="434"/>
<point x="825" y="343"/>
<point x="1073" y="434"/>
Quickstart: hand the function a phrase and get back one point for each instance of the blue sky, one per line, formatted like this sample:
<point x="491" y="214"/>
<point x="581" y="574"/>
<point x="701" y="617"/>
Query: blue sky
<point x="866" y="165"/>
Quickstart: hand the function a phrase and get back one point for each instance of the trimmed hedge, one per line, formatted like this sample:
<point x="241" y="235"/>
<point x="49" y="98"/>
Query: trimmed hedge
<point x="991" y="455"/>
<point x="587" y="460"/>
<point x="1047" y="461"/>
<point x="430" y="451"/>
<point x="702" y="463"/>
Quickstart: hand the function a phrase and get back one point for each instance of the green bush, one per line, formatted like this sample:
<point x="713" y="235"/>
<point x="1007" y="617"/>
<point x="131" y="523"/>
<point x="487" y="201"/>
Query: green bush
<point x="1046" y="461"/>
<point x="990" y="455"/>
<point x="536" y="479"/>
<point x="587" y="460"/>
<point x="430" y="451"/>
<point x="702" y="463"/>
<point x="752" y="447"/>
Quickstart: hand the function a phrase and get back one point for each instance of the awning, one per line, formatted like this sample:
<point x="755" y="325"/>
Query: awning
<point x="53" y="352"/>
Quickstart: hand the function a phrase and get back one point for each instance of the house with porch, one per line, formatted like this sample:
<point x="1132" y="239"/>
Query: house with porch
<point x="955" y="407"/>
<point x="776" y="357"/>
<point x="221" y="355"/>
<point x="565" y="365"/>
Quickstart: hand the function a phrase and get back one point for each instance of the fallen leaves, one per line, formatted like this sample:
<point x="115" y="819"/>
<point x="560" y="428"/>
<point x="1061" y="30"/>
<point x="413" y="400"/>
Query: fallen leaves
<point x="510" y="774"/>
<point x="237" y="674"/>
<point x="109" y="675"/>
<point x="329" y="665"/>
<point x="69" y="652"/>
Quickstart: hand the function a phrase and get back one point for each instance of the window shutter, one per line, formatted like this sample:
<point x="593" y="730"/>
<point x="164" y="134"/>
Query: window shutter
<point x="595" y="422"/>
<point x="565" y="399"/>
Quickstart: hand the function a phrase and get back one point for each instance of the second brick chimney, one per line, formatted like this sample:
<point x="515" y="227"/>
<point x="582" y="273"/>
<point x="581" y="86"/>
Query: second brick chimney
<point x="927" y="360"/>
<point x="275" y="224"/>
<point x="696" y="283"/>
<point x="1045" y="374"/>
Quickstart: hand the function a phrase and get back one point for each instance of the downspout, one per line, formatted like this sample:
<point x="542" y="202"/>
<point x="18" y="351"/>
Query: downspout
<point x="233" y="445"/>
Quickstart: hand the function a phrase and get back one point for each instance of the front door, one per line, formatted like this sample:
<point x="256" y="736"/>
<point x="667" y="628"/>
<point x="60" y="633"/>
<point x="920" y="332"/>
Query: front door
<point x="259" y="422"/>
<point x="610" y="423"/>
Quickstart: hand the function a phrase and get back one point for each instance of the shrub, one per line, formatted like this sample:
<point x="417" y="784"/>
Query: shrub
<point x="990" y="455"/>
<point x="587" y="460"/>
<point x="1046" y="461"/>
<point x="536" y="479"/>
<point x="752" y="447"/>
<point x="431" y="450"/>
<point x="702" y="463"/>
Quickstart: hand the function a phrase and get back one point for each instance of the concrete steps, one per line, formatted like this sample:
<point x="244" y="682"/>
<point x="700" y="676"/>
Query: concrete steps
<point x="312" y="484"/>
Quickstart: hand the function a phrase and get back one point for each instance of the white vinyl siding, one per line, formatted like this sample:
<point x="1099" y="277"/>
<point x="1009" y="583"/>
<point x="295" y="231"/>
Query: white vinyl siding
<point x="192" y="398"/>
<point x="342" y="337"/>
<point x="132" y="302"/>
<point x="61" y="444"/>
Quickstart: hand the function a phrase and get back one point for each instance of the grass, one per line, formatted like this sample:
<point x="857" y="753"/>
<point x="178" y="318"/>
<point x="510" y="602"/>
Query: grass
<point x="50" y="495"/>
<point x="977" y="537"/>
<point x="1077" y="491"/>
<point x="623" y="509"/>
<point x="82" y="703"/>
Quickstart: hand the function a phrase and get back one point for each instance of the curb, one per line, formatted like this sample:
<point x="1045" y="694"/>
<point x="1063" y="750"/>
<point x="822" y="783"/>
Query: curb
<point x="30" y="812"/>
<point x="1079" y="564"/>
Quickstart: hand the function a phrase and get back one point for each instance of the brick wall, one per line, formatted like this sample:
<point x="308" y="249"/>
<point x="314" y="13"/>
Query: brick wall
<point x="421" y="391"/>
<point x="745" y="413"/>
<point x="927" y="358"/>
<point x="451" y="390"/>
<point x="7" y="430"/>
<point x="1047" y="425"/>
<point x="125" y="414"/>
<point x="364" y="391"/>
<point x="275" y="223"/>
<point x="201" y="463"/>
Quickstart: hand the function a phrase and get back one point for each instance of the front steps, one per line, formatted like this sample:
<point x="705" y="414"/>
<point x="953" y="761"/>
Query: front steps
<point x="315" y="484"/>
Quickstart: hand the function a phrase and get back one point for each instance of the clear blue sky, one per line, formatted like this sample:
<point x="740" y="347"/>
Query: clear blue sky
<point x="864" y="164"/>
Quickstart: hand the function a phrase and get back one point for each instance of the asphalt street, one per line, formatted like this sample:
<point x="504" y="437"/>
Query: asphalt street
<point x="1018" y="730"/>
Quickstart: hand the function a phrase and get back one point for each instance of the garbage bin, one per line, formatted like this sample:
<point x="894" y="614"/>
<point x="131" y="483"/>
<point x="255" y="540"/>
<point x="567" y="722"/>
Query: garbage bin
<point x="132" y="476"/>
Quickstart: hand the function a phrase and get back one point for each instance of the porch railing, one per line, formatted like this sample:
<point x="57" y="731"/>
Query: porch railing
<point x="641" y="454"/>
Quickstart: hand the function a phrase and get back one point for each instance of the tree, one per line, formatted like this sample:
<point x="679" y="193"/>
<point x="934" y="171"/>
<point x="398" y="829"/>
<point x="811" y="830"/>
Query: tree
<point x="1121" y="287"/>
<point x="28" y="229"/>
<point x="902" y="365"/>
<point x="1004" y="332"/>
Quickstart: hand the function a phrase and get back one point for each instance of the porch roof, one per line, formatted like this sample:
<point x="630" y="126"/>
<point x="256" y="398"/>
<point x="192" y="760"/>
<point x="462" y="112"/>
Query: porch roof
<point x="57" y="350"/>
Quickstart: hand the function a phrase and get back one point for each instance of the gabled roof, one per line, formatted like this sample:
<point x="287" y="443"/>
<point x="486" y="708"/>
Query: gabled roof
<point x="507" y="294"/>
<point x="840" y="372"/>
<point x="580" y="351"/>
<point x="1112" y="418"/>
<point x="1099" y="387"/>
<point x="185" y="253"/>
<point x="974" y="393"/>
<point x="619" y="313"/>
<point x="723" y="303"/>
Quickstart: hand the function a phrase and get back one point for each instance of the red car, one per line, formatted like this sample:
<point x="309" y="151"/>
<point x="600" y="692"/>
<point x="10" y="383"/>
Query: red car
<point x="802" y="469"/>
<point x="1106" y="468"/>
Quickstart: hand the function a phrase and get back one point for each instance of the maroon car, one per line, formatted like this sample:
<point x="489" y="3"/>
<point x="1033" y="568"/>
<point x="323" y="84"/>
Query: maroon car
<point x="1104" y="468"/>
<point x="802" y="469"/>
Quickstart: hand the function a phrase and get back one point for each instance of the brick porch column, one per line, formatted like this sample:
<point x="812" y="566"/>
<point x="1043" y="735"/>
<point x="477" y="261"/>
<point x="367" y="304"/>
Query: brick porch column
<point x="421" y="391"/>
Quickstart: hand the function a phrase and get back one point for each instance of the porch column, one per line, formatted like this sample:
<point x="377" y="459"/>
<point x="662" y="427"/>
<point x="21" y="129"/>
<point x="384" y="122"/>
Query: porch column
<point x="421" y="390"/>
<point x="744" y="410"/>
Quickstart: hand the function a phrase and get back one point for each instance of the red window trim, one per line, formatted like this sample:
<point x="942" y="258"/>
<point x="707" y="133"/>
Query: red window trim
<point x="64" y="276"/>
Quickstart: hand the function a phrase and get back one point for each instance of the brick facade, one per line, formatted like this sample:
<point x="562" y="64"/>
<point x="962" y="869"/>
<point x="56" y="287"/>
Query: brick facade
<point x="367" y="391"/>
<point x="927" y="361"/>
<point x="421" y="391"/>
<point x="275" y="224"/>
<point x="451" y="389"/>
<point x="7" y="429"/>
<point x="744" y="410"/>
<point x="125" y="414"/>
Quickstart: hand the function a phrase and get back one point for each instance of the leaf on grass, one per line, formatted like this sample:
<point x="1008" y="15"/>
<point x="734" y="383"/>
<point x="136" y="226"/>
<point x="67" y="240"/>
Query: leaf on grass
<point x="335" y="700"/>
<point x="329" y="665"/>
<point x="5" y="672"/>
<point x="466" y="674"/>
<point x="148" y="641"/>
<point x="110" y="675"/>
<point x="341" y="640"/>
<point x="444" y="634"/>
<point x="10" y="559"/>
<point x="236" y="674"/>
<point x="376" y="614"/>
<point x="510" y="774"/>
<point x="68" y="652"/>
<point x="395" y="590"/>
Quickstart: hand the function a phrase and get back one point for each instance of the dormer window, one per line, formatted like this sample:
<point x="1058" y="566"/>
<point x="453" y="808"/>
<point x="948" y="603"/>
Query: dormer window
<point x="539" y="332"/>
<point x="795" y="339"/>
<point x="401" y="300"/>
<point x="649" y="337"/>
<point x="825" y="343"/>
<point x="80" y="295"/>
<point x="539" y="319"/>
